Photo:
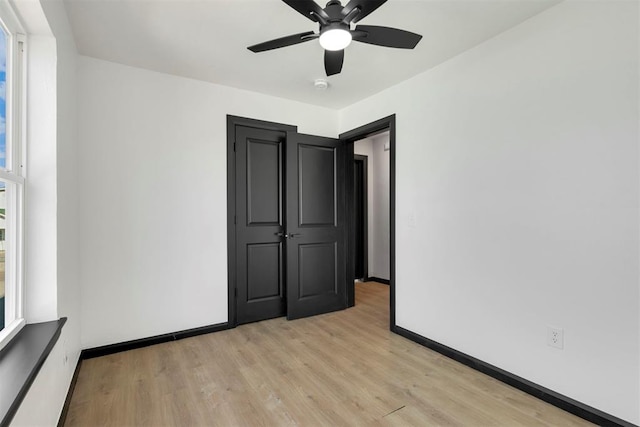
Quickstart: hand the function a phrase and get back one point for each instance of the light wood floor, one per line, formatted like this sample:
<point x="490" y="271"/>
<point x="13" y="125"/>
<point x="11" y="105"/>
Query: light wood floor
<point x="338" y="369"/>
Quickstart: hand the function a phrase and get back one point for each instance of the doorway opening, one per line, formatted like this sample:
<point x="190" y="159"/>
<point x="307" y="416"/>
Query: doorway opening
<point x="372" y="240"/>
<point x="371" y="220"/>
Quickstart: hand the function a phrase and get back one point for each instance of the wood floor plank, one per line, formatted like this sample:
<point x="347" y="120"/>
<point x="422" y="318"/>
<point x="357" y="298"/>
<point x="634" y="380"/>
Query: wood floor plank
<point x="337" y="369"/>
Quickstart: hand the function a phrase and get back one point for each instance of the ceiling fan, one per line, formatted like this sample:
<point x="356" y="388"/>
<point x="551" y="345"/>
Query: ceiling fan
<point x="335" y="30"/>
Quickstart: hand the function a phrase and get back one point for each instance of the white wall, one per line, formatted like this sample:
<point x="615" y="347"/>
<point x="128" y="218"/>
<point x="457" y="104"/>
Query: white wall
<point x="519" y="160"/>
<point x="381" y="230"/>
<point x="68" y="255"/>
<point x="40" y="191"/>
<point x="152" y="186"/>
<point x="52" y="265"/>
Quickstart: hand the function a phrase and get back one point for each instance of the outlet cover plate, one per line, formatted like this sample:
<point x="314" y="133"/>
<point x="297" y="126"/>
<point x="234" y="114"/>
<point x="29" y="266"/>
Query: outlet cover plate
<point x="555" y="337"/>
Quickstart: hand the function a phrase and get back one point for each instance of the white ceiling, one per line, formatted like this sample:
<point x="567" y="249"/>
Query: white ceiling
<point x="207" y="40"/>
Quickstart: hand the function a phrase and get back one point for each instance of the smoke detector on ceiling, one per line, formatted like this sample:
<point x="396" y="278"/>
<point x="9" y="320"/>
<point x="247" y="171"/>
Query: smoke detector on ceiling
<point x="321" y="84"/>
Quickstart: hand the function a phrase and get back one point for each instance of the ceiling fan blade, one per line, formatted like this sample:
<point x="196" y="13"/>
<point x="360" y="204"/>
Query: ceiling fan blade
<point x="385" y="36"/>
<point x="365" y="6"/>
<point x="333" y="60"/>
<point x="308" y="8"/>
<point x="283" y="42"/>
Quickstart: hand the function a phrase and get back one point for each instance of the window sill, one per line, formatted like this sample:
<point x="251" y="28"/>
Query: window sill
<point x="20" y="362"/>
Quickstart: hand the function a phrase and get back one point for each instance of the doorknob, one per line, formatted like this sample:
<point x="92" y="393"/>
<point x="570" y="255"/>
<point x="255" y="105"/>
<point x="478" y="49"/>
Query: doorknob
<point x="286" y="236"/>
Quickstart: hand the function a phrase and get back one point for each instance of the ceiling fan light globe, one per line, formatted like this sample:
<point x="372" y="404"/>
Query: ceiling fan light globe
<point x="335" y="39"/>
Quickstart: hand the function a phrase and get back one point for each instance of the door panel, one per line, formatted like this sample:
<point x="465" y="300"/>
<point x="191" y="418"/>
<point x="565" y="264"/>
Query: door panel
<point x="316" y="247"/>
<point x="264" y="190"/>
<point x="317" y="271"/>
<point x="264" y="271"/>
<point x="260" y="275"/>
<point x="316" y="186"/>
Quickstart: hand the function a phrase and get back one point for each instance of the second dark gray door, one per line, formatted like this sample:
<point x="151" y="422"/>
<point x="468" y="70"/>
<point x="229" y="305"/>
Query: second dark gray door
<point x="316" y="225"/>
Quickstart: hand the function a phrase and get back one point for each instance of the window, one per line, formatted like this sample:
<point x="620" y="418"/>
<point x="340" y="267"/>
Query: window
<point x="12" y="45"/>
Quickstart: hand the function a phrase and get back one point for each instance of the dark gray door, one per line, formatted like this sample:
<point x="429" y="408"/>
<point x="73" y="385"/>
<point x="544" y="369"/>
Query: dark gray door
<point x="260" y="224"/>
<point x="316" y="225"/>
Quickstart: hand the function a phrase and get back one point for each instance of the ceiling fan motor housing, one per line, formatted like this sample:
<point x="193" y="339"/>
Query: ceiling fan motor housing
<point x="334" y="10"/>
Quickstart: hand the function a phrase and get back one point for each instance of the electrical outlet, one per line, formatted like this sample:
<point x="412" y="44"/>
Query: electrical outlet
<point x="412" y="219"/>
<point x="555" y="337"/>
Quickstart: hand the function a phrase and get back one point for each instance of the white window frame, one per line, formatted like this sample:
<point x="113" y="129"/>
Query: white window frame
<point x="14" y="172"/>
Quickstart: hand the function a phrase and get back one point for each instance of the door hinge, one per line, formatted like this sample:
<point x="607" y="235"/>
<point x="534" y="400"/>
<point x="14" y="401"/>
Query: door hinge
<point x="235" y="220"/>
<point x="235" y="292"/>
<point x="234" y="147"/>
